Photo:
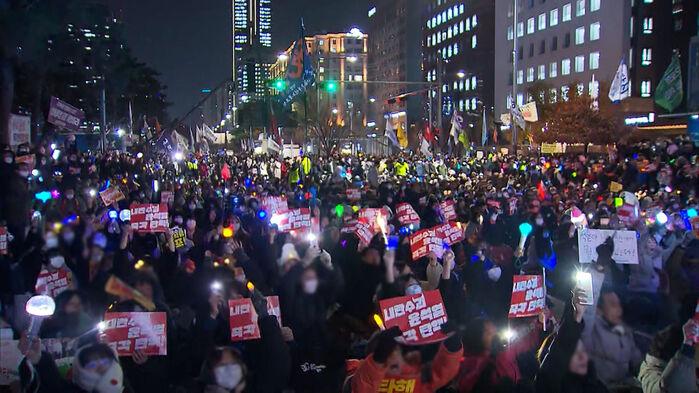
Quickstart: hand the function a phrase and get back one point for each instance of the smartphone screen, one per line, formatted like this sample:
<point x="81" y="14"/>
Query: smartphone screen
<point x="584" y="282"/>
<point x="392" y="242"/>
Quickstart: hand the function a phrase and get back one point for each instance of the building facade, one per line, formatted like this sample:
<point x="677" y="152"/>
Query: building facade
<point x="458" y="54"/>
<point x="252" y="43"/>
<point x="340" y="58"/>
<point x="395" y="56"/>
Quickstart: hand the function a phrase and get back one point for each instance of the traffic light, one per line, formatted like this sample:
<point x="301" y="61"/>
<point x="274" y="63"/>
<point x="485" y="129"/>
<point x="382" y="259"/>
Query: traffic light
<point x="329" y="86"/>
<point x="278" y="84"/>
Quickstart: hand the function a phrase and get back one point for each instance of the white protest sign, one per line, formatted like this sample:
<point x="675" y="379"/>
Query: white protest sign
<point x="625" y="245"/>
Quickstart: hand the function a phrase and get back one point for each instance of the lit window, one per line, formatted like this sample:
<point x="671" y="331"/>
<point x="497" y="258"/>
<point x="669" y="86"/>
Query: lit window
<point x="520" y="29"/>
<point x="594" y="60"/>
<point x="580" y="88"/>
<point x="474" y="82"/>
<point x="520" y="99"/>
<point x="449" y="15"/>
<point x="530" y="26"/>
<point x="580" y="36"/>
<point x="564" y="92"/>
<point x="474" y="20"/>
<point x="580" y="8"/>
<point x="553" y="17"/>
<point x="647" y="25"/>
<point x="530" y="74"/>
<point x="474" y="41"/>
<point x="542" y="72"/>
<point x="593" y="88"/>
<point x="647" y="1"/>
<point x="646" y="56"/>
<point x="520" y="77"/>
<point x="567" y="12"/>
<point x="579" y="63"/>
<point x="553" y="70"/>
<point x="595" y="5"/>
<point x="594" y="31"/>
<point x="449" y="31"/>
<point x="461" y="27"/>
<point x="565" y="67"/>
<point x="645" y="89"/>
<point x="510" y="33"/>
<point x="553" y="95"/>
<point x="461" y="9"/>
<point x="542" y="21"/>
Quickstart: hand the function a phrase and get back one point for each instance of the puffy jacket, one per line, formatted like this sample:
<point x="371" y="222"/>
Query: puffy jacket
<point x="613" y="350"/>
<point x="675" y="376"/>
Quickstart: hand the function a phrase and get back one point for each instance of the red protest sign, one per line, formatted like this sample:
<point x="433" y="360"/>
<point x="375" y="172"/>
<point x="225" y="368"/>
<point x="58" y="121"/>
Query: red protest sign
<point x="377" y="218"/>
<point x="293" y="220"/>
<point x="419" y="317"/>
<point x="452" y="232"/>
<point x="149" y="217"/>
<point x="111" y="195"/>
<point x="448" y="210"/>
<point x="126" y="332"/>
<point x="243" y="317"/>
<point x="53" y="283"/>
<point x="3" y="240"/>
<point x="435" y="239"/>
<point x="167" y="196"/>
<point x="528" y="296"/>
<point x="353" y="194"/>
<point x="360" y="228"/>
<point x="406" y="214"/>
<point x="274" y="204"/>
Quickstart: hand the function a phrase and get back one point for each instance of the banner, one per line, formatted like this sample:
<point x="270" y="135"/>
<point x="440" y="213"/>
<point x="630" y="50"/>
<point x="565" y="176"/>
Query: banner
<point x="3" y="240"/>
<point x="406" y="214"/>
<point x="435" y="240"/>
<point x="178" y="237"/>
<point x="353" y="194"/>
<point x="670" y="92"/>
<point x="274" y="204"/>
<point x="620" y="88"/>
<point x="20" y="129"/>
<point x="53" y="283"/>
<point x="293" y="220"/>
<point x="126" y="332"/>
<point x="448" y="210"/>
<point x="243" y="317"/>
<point x="529" y="112"/>
<point x="167" y="196"/>
<point x="111" y="195"/>
<point x="299" y="72"/>
<point x="625" y="245"/>
<point x="528" y="296"/>
<point x="419" y="317"/>
<point x="149" y="217"/>
<point x="64" y="115"/>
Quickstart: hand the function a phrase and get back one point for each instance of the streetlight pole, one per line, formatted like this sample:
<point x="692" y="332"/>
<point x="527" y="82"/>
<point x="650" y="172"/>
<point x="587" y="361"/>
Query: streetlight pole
<point x="514" y="76"/>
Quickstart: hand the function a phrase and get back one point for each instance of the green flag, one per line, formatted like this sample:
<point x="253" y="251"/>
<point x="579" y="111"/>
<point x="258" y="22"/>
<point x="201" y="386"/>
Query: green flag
<point x="669" y="93"/>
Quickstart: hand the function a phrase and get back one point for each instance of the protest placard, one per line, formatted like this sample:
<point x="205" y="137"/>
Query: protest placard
<point x="419" y="317"/>
<point x="448" y="210"/>
<point x="353" y="194"/>
<point x="435" y="239"/>
<point x="625" y="245"/>
<point x="406" y="214"/>
<point x="149" y="217"/>
<point x="243" y="317"/>
<point x="377" y="218"/>
<point x="111" y="195"/>
<point x="528" y="296"/>
<point x="3" y="240"/>
<point x="53" y="283"/>
<point x="178" y="237"/>
<point x="64" y="115"/>
<point x="126" y="332"/>
<point x="298" y="220"/>
<point x="274" y="204"/>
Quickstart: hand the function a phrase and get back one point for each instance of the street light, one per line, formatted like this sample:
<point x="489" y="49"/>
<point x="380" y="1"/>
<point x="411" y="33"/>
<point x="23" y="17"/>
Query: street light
<point x="228" y="116"/>
<point x="352" y="59"/>
<point x="334" y="111"/>
<point x="372" y="100"/>
<point x="461" y="74"/>
<point x="223" y="123"/>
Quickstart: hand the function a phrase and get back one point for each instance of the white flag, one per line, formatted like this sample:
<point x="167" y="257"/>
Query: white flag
<point x="457" y="126"/>
<point x="529" y="112"/>
<point x="390" y="133"/>
<point x="621" y="87"/>
<point x="208" y="133"/>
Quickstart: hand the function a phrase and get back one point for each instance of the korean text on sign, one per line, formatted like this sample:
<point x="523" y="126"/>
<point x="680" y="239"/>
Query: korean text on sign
<point x="528" y="296"/>
<point x="243" y="317"/>
<point x="419" y="317"/>
<point x="399" y="385"/>
<point x="434" y="239"/>
<point x="293" y="220"/>
<point x="53" y="283"/>
<point x="149" y="217"/>
<point x="406" y="214"/>
<point x="448" y="210"/>
<point x="274" y="204"/>
<point x="127" y="332"/>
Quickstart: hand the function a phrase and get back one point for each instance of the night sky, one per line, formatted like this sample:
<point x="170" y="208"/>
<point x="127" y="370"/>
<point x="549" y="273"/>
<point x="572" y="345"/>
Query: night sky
<point x="189" y="42"/>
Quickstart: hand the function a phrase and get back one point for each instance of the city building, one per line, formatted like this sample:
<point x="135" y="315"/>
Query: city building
<point x="340" y="58"/>
<point x="458" y="54"/>
<point x="563" y="43"/>
<point x="252" y="43"/>
<point x="395" y="56"/>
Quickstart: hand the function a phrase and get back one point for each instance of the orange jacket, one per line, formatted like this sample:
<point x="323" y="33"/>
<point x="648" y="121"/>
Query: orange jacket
<point x="371" y="376"/>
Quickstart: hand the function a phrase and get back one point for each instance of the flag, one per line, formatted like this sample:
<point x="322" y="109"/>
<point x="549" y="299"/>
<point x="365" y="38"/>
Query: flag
<point x="495" y="136"/>
<point x="428" y="135"/>
<point x="669" y="93"/>
<point x="484" y="130"/>
<point x="145" y="130"/>
<point x="457" y="126"/>
<point x="191" y="138"/>
<point x="425" y="147"/>
<point x="299" y="72"/>
<point x="390" y="133"/>
<point x="620" y="88"/>
<point x="208" y="133"/>
<point x="402" y="135"/>
<point x="529" y="112"/>
<point x="518" y="118"/>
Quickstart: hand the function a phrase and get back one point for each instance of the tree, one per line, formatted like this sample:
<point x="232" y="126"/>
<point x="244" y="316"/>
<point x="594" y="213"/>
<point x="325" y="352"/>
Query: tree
<point x="572" y="118"/>
<point x="321" y="122"/>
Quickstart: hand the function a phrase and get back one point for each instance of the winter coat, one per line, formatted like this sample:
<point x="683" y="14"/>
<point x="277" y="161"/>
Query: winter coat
<point x="676" y="376"/>
<point x="613" y="350"/>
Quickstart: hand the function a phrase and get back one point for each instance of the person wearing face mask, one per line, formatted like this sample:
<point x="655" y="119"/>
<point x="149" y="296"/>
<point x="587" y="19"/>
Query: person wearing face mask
<point x="70" y="319"/>
<point x="224" y="372"/>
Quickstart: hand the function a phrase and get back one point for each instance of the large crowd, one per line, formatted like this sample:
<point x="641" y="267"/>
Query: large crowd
<point x="67" y="232"/>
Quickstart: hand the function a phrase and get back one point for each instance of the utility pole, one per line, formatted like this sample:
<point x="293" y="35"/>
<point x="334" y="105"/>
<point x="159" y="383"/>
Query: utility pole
<point x="103" y="109"/>
<point x="439" y="93"/>
<point x="514" y="76"/>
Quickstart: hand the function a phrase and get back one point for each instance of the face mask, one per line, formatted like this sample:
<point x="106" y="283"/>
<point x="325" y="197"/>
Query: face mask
<point x="495" y="273"/>
<point x="57" y="261"/>
<point x="604" y="221"/>
<point x="111" y="381"/>
<point x="228" y="376"/>
<point x="539" y="221"/>
<point x="70" y="196"/>
<point x="23" y="173"/>
<point x="8" y="160"/>
<point x="310" y="287"/>
<point x="51" y="242"/>
<point x="413" y="289"/>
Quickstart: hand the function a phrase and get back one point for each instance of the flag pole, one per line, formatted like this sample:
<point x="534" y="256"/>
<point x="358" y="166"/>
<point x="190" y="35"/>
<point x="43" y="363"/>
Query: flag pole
<point x="514" y="75"/>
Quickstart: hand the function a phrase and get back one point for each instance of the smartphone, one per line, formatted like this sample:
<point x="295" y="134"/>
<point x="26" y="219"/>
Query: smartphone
<point x="583" y="280"/>
<point x="392" y="242"/>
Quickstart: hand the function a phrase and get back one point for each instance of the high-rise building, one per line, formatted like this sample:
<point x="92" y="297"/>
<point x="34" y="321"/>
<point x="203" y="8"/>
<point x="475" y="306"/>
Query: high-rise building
<point x="395" y="56"/>
<point x="563" y="43"/>
<point x="458" y="54"/>
<point x="342" y="58"/>
<point x="252" y="42"/>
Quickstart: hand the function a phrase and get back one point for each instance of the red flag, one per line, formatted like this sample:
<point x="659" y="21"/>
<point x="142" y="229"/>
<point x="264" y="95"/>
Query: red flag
<point x="428" y="134"/>
<point x="541" y="191"/>
<point x="495" y="136"/>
